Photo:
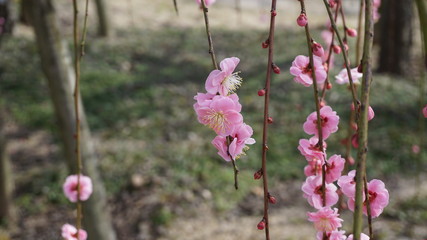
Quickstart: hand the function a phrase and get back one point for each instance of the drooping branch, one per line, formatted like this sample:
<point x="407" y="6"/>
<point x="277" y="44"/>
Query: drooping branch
<point x="344" y="53"/>
<point x="83" y="41"/>
<point x="363" y="119"/>
<point x="266" y="116"/>
<point x="208" y="33"/>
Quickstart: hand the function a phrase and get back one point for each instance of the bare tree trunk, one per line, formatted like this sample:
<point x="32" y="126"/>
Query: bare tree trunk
<point x="396" y="36"/>
<point x="6" y="180"/>
<point x="103" y="24"/>
<point x="56" y="64"/>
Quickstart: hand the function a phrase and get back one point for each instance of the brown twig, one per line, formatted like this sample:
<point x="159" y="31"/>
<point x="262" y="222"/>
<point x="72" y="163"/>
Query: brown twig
<point x="208" y="33"/>
<point x="356" y="102"/>
<point x="175" y="4"/>
<point x="363" y="119"/>
<point x="233" y="161"/>
<point x="76" y="110"/>
<point x="266" y="108"/>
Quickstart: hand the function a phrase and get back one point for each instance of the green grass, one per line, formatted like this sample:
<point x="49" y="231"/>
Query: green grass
<point x="138" y="90"/>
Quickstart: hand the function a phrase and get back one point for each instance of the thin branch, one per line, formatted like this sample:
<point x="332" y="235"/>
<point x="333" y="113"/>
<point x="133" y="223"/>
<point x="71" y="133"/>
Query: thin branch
<point x="208" y="32"/>
<point x="359" y="32"/>
<point x="266" y="108"/>
<point x="363" y="119"/>
<point x="83" y="42"/>
<point x="368" y="207"/>
<point x="344" y="53"/>
<point x="233" y="161"/>
<point x="175" y="4"/>
<point x="76" y="109"/>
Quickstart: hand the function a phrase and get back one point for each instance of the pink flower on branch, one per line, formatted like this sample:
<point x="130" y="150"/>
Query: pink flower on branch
<point x="69" y="232"/>
<point x="362" y="237"/>
<point x="222" y="114"/>
<point x="325" y="220"/>
<point x="303" y="73"/>
<point x="334" y="235"/>
<point x="309" y="149"/>
<point x="328" y="120"/>
<point x="347" y="184"/>
<point x="240" y="137"/>
<point x="342" y="77"/>
<point x="312" y="189"/>
<point x="378" y="198"/>
<point x="207" y="2"/>
<point x="334" y="167"/>
<point x="70" y="188"/>
<point x="224" y="81"/>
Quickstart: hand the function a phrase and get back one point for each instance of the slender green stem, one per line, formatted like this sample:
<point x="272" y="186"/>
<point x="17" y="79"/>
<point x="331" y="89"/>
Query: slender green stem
<point x="265" y="123"/>
<point x="363" y="119"/>
<point x="359" y="32"/>
<point x="208" y="33"/>
<point x="83" y="41"/>
<point x="76" y="110"/>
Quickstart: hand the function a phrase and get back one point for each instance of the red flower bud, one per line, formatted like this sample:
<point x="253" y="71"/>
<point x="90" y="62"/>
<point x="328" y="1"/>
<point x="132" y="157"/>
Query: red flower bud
<point x="332" y="3"/>
<point x="302" y="20"/>
<point x="270" y="120"/>
<point x="355" y="140"/>
<point x="328" y="85"/>
<point x="258" y="174"/>
<point x="261" y="225"/>
<point x="273" y="13"/>
<point x="322" y="103"/>
<point x="337" y="49"/>
<point x="351" y="32"/>
<point x="261" y="92"/>
<point x="350" y="160"/>
<point x="317" y="49"/>
<point x="276" y="69"/>
<point x="272" y="199"/>
<point x="265" y="44"/>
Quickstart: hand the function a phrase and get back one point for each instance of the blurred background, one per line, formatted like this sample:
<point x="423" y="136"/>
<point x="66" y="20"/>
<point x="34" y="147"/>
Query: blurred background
<point x="156" y="174"/>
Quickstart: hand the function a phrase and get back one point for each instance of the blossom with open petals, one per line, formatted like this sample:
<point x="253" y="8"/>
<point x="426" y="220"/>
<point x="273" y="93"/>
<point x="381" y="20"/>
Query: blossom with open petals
<point x="70" y="188"/>
<point x="334" y="235"/>
<point x="222" y="114"/>
<point x="347" y="184"/>
<point x="342" y="77"/>
<point x="237" y="140"/>
<point x="328" y="121"/>
<point x="224" y="81"/>
<point x="325" y="220"/>
<point x="378" y="198"/>
<point x="334" y="168"/>
<point x="312" y="189"/>
<point x="69" y="232"/>
<point x="303" y="73"/>
<point x="309" y="149"/>
<point x="362" y="237"/>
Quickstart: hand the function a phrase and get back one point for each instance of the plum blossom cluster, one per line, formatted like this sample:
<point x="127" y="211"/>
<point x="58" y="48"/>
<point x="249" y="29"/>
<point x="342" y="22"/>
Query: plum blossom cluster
<point x="324" y="175"/>
<point x="220" y="110"/>
<point x="76" y="188"/>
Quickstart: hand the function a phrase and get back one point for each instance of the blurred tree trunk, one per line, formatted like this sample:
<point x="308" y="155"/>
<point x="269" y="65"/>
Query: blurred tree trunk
<point x="6" y="180"/>
<point x="56" y="64"/>
<point x="103" y="24"/>
<point x="396" y="36"/>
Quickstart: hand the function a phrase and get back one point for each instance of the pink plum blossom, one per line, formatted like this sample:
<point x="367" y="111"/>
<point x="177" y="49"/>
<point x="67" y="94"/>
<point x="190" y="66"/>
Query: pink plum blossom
<point x="425" y="111"/>
<point x="342" y="77"/>
<point x="378" y="198"/>
<point x="334" y="235"/>
<point x="351" y="32"/>
<point x="362" y="237"/>
<point x="222" y="114"/>
<point x="69" y="232"/>
<point x="328" y="120"/>
<point x="325" y="220"/>
<point x="334" y="168"/>
<point x="347" y="184"/>
<point x="70" y="187"/>
<point x="314" y="168"/>
<point x="207" y="2"/>
<point x="224" y="81"/>
<point x="240" y="137"/>
<point x="303" y="73"/>
<point x="203" y="100"/>
<point x="312" y="189"/>
<point x="302" y="20"/>
<point x="309" y="150"/>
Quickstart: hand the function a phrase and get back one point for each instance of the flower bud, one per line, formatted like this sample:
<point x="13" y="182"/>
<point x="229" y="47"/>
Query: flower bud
<point x="351" y="32"/>
<point x="265" y="44"/>
<point x="271" y="199"/>
<point x="346" y="46"/>
<point x="355" y="140"/>
<point x="332" y="3"/>
<point x="350" y="160"/>
<point x="360" y="68"/>
<point x="415" y="149"/>
<point x="354" y="126"/>
<point x="274" y="13"/>
<point x="261" y="225"/>
<point x="322" y="103"/>
<point x="276" y="69"/>
<point x="261" y="92"/>
<point x="317" y="49"/>
<point x="258" y="174"/>
<point x="328" y="85"/>
<point x="337" y="49"/>
<point x="270" y="120"/>
<point x="302" y="20"/>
